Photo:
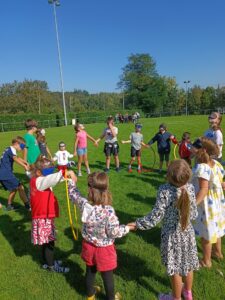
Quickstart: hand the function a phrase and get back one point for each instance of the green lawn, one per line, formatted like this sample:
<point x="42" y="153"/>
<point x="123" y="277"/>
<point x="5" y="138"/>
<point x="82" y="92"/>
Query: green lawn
<point x="140" y="274"/>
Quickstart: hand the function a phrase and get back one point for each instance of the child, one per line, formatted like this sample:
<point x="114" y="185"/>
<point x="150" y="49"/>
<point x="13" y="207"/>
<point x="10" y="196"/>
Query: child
<point x="136" y="140"/>
<point x="100" y="228"/>
<point x="208" y="182"/>
<point x="111" y="145"/>
<point x="80" y="147"/>
<point x="41" y="139"/>
<point x="32" y="151"/>
<point x="163" y="138"/>
<point x="62" y="157"/>
<point x="214" y="133"/>
<point x="45" y="209"/>
<point x="7" y="178"/>
<point x="184" y="148"/>
<point x="176" y="206"/>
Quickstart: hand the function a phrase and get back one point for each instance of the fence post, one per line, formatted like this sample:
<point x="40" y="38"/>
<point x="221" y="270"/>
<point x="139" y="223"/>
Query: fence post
<point x="2" y="127"/>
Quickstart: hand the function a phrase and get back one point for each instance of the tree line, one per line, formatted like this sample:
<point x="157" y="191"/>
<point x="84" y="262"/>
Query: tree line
<point x="140" y="86"/>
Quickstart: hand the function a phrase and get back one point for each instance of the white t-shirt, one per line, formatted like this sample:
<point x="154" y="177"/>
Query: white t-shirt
<point x="109" y="138"/>
<point x="62" y="157"/>
<point x="217" y="137"/>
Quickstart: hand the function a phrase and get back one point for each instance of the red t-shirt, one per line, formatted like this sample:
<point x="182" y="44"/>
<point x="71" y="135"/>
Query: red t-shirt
<point x="184" y="152"/>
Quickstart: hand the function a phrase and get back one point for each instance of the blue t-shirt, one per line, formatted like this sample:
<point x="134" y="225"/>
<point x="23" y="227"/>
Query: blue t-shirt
<point x="6" y="163"/>
<point x="163" y="141"/>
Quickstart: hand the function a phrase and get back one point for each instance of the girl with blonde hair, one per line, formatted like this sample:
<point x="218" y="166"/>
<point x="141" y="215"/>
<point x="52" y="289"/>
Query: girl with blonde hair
<point x="208" y="182"/>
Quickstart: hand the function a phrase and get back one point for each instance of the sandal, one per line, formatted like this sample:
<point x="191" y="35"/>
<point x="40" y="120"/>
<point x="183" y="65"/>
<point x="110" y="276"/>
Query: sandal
<point x="204" y="265"/>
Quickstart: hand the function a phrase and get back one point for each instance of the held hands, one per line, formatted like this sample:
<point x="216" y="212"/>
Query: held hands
<point x="70" y="174"/>
<point x="132" y="226"/>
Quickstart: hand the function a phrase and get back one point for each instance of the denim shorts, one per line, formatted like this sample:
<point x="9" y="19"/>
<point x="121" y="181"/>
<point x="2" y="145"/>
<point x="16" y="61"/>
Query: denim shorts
<point x="81" y="151"/>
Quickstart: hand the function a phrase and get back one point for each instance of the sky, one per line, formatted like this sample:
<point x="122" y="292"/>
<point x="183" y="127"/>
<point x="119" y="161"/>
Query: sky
<point x="185" y="38"/>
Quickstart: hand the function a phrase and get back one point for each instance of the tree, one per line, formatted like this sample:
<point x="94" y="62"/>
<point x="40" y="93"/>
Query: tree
<point x="142" y="85"/>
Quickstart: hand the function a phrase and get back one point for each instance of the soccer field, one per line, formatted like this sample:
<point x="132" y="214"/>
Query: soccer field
<point x="140" y="274"/>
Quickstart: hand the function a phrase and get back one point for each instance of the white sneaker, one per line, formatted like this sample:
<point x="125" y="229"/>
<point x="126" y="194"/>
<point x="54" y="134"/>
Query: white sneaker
<point x="88" y="171"/>
<point x="79" y="174"/>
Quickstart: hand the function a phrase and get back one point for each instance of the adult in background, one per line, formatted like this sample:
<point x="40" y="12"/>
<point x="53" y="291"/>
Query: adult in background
<point x="214" y="133"/>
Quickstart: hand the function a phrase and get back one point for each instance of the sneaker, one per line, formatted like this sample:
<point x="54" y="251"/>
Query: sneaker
<point x="187" y="294"/>
<point x="71" y="164"/>
<point x="27" y="206"/>
<point x="97" y="290"/>
<point x="58" y="269"/>
<point x="79" y="174"/>
<point x="57" y="263"/>
<point x="165" y="297"/>
<point x="88" y="171"/>
<point x="106" y="170"/>
<point x="118" y="296"/>
<point x="129" y="170"/>
<point x="139" y="171"/>
<point x="10" y="207"/>
<point x="117" y="169"/>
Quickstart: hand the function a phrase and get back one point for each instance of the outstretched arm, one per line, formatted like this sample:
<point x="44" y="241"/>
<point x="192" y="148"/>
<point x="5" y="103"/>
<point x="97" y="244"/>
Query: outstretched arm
<point x="113" y="228"/>
<point x="126" y="142"/>
<point x="156" y="215"/>
<point x="21" y="162"/>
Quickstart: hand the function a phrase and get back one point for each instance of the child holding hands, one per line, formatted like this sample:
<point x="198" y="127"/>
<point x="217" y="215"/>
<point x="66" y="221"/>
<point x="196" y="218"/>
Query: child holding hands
<point x="45" y="209"/>
<point x="136" y="140"/>
<point x="176" y="206"/>
<point x="100" y="229"/>
<point x="80" y="147"/>
<point x="7" y="177"/>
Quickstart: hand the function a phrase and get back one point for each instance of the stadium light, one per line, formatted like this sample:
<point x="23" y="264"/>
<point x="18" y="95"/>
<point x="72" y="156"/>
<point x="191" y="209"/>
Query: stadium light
<point x="57" y="3"/>
<point x="186" y="83"/>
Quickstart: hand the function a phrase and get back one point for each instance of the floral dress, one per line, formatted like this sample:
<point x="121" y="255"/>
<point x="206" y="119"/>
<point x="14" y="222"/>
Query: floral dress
<point x="210" y="223"/>
<point x="178" y="247"/>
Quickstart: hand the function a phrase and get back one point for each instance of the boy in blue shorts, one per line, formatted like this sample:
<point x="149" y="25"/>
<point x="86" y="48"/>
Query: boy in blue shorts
<point x="136" y="140"/>
<point x="163" y="139"/>
<point x="7" y="178"/>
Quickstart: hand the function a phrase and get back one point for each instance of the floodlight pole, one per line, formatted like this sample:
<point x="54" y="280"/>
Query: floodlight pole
<point x="54" y="3"/>
<point x="186" y="84"/>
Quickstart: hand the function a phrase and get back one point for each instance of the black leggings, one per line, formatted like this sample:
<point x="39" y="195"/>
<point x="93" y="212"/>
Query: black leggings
<point x="107" y="280"/>
<point x="48" y="253"/>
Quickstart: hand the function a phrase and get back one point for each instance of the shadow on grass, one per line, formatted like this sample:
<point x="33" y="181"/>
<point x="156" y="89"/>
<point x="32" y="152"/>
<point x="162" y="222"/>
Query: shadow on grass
<point x="19" y="238"/>
<point x="133" y="268"/>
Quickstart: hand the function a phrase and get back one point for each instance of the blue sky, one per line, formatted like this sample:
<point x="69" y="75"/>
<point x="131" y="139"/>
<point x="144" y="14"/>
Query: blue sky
<point x="186" y="39"/>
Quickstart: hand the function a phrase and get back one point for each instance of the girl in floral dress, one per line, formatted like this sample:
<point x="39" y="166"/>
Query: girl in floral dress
<point x="100" y="228"/>
<point x="44" y="208"/>
<point x="208" y="182"/>
<point x="176" y="206"/>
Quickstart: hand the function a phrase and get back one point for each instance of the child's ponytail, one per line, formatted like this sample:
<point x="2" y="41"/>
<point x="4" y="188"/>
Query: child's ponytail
<point x="183" y="205"/>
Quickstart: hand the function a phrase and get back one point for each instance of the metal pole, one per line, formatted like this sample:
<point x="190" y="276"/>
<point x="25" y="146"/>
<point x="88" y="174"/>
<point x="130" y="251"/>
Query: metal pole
<point x="123" y="100"/>
<point x="186" y="84"/>
<point x="60" y="63"/>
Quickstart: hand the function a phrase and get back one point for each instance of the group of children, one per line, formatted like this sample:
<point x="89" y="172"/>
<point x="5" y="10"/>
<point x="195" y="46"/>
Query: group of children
<point x="188" y="204"/>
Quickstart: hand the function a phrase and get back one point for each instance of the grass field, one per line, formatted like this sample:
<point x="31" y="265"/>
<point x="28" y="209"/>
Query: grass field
<point x="140" y="274"/>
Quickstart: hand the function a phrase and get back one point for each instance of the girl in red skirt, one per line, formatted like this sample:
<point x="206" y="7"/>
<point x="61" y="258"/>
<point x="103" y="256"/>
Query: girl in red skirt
<point x="44" y="208"/>
<point x="100" y="228"/>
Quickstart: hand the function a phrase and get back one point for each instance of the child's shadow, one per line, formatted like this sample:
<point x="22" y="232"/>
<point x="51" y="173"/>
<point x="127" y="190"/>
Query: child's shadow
<point x="18" y="235"/>
<point x="134" y="268"/>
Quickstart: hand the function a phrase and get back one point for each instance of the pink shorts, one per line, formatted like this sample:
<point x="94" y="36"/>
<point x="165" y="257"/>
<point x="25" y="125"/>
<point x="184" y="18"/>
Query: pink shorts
<point x="104" y="258"/>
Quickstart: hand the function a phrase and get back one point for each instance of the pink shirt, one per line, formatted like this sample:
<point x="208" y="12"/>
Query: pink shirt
<point x="82" y="139"/>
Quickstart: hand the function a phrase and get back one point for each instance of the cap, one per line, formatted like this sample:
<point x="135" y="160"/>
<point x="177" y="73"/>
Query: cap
<point x="81" y="126"/>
